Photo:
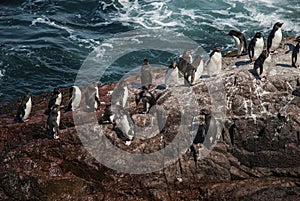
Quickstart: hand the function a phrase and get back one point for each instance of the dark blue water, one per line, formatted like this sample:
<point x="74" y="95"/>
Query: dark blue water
<point x="43" y="43"/>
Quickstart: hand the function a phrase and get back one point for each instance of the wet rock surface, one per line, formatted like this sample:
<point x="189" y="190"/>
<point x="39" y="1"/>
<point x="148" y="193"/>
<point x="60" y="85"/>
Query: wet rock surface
<point x="250" y="151"/>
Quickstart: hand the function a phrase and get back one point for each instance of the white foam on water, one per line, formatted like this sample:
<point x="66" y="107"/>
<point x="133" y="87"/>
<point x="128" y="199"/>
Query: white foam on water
<point x="2" y="73"/>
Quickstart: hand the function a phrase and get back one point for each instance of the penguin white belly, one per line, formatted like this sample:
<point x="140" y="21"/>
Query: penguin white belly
<point x="125" y="97"/>
<point x="97" y="95"/>
<point x="276" y="40"/>
<point x="199" y="71"/>
<point x="259" y="47"/>
<point x="171" y="76"/>
<point x="215" y="64"/>
<point x="58" y="118"/>
<point x="238" y="45"/>
<point x="298" y="60"/>
<point x="76" y="98"/>
<point x="58" y="99"/>
<point x="124" y="124"/>
<point x="27" y="109"/>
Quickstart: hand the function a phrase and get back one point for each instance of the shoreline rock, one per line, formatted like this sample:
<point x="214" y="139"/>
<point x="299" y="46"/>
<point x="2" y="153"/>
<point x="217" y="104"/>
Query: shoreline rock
<point x="256" y="155"/>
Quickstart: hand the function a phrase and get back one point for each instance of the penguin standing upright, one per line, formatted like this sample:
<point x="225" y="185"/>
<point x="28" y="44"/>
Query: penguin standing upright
<point x="259" y="64"/>
<point x="214" y="65"/>
<point x="146" y="75"/>
<point x="126" y="125"/>
<point x="194" y="71"/>
<point x="184" y="60"/>
<point x="274" y="38"/>
<point x="55" y="99"/>
<point x="53" y="122"/>
<point x="240" y="42"/>
<point x="92" y="97"/>
<point x="24" y="108"/>
<point x="198" y="65"/>
<point x="256" y="46"/>
<point x="171" y="77"/>
<point x="120" y="94"/>
<point x="296" y="56"/>
<point x="75" y="98"/>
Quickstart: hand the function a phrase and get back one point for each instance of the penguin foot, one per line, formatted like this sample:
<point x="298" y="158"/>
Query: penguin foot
<point x="128" y="143"/>
<point x="263" y="79"/>
<point x="55" y="136"/>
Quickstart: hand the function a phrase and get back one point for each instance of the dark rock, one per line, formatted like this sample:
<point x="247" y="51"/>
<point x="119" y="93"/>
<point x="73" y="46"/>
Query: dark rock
<point x="254" y="130"/>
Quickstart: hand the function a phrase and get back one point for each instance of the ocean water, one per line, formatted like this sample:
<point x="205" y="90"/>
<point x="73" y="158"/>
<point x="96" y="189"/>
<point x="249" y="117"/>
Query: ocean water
<point x="43" y="43"/>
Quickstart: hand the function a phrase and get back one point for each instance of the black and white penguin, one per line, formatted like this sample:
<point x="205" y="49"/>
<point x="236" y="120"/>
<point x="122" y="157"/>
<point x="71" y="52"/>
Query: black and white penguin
<point x="108" y="116"/>
<point x="214" y="65"/>
<point x="194" y="71"/>
<point x="55" y="99"/>
<point x="171" y="78"/>
<point x="24" y="108"/>
<point x="240" y="42"/>
<point x="126" y="125"/>
<point x="296" y="56"/>
<point x="146" y="75"/>
<point x="259" y="64"/>
<point x="184" y="60"/>
<point x="256" y="46"/>
<point x="148" y="99"/>
<point x="53" y="122"/>
<point x="75" y="98"/>
<point x="92" y="97"/>
<point x="274" y="38"/>
<point x="120" y="94"/>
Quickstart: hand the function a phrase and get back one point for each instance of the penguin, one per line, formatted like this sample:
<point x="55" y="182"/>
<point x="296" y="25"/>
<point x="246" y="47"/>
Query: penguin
<point x="148" y="99"/>
<point x="120" y="94"/>
<point x="240" y="42"/>
<point x="75" y="98"/>
<point x="24" y="108"/>
<point x="55" y="99"/>
<point x="171" y="77"/>
<point x="126" y="125"/>
<point x="256" y="46"/>
<point x="108" y="116"/>
<point x="146" y="75"/>
<point x="214" y="65"/>
<point x="184" y="60"/>
<point x="259" y="64"/>
<point x="53" y="122"/>
<point x="274" y="38"/>
<point x="198" y="65"/>
<point x="296" y="56"/>
<point x="92" y="97"/>
<point x="194" y="71"/>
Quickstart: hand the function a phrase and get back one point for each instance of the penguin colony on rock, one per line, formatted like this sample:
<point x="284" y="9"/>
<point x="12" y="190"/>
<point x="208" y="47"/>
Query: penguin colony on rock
<point x="189" y="69"/>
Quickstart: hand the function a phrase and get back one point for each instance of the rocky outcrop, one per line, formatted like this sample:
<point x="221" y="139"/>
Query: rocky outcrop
<point x="252" y="154"/>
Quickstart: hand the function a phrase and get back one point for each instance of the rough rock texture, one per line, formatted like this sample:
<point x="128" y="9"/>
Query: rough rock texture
<point x="255" y="157"/>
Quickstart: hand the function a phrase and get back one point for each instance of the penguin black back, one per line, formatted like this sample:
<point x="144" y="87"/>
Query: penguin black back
<point x="259" y="63"/>
<point x="295" y="55"/>
<point x="242" y="44"/>
<point x="272" y="34"/>
<point x="24" y="108"/>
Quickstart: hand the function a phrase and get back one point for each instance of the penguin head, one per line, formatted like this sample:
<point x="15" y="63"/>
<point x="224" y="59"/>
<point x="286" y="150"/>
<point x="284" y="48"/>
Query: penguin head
<point x="217" y="49"/>
<point x="27" y="94"/>
<point x="55" y="108"/>
<point x="145" y="62"/>
<point x="258" y="35"/>
<point x="234" y="33"/>
<point x="173" y="64"/>
<point x="56" y="91"/>
<point x="278" y="25"/>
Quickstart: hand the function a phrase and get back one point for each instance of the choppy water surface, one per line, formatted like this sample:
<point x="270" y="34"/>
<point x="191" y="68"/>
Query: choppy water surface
<point x="44" y="42"/>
